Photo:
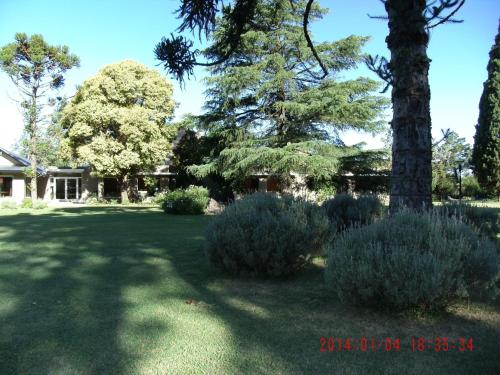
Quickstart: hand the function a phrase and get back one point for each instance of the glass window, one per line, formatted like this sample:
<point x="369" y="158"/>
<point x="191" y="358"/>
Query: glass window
<point x="5" y="186"/>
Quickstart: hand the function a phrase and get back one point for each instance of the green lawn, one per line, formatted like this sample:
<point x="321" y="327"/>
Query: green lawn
<point x="104" y="291"/>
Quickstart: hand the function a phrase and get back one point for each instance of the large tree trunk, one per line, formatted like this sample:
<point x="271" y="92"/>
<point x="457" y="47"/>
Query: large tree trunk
<point x="411" y="183"/>
<point x="124" y="187"/>
<point x="128" y="189"/>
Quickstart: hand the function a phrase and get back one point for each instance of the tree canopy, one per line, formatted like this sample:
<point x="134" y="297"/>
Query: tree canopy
<point x="269" y="104"/>
<point x="37" y="69"/>
<point x="118" y="121"/>
<point x="409" y="25"/>
<point x="450" y="156"/>
<point x="486" y="153"/>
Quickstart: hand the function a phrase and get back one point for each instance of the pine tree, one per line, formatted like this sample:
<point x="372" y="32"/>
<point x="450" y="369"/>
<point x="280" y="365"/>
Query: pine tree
<point x="409" y="24"/>
<point x="37" y="69"/>
<point x="486" y="152"/>
<point x="270" y="98"/>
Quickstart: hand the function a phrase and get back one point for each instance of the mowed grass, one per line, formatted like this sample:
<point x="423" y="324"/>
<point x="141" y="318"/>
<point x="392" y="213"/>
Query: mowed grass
<point x="128" y="291"/>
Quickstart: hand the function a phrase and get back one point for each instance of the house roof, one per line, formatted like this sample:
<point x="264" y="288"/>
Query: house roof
<point x="23" y="163"/>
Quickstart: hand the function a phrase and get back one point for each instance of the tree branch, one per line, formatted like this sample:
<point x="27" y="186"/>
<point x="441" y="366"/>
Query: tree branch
<point x="445" y="4"/>
<point x="309" y="41"/>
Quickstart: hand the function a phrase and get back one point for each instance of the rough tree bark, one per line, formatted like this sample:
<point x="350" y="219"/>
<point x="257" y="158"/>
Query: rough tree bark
<point x="33" y="144"/>
<point x="128" y="189"/>
<point x="124" y="189"/>
<point x="411" y="183"/>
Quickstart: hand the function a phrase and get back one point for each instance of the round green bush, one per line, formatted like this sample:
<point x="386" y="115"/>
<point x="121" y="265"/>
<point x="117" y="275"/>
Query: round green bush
<point x="27" y="203"/>
<point x="265" y="235"/>
<point x="410" y="260"/>
<point x="345" y="211"/>
<point x="190" y="201"/>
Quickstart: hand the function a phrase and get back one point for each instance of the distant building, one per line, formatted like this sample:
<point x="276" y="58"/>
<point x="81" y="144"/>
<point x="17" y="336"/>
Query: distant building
<point x="67" y="184"/>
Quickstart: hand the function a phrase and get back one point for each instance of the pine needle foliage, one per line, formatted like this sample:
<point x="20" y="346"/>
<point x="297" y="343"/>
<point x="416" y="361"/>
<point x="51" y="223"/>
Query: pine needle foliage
<point x="486" y="152"/>
<point x="268" y="100"/>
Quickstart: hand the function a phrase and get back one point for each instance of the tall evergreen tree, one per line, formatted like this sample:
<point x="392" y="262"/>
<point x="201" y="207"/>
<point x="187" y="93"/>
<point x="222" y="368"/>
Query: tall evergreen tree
<point x="269" y="96"/>
<point x="36" y="69"/>
<point x="409" y="25"/>
<point x="486" y="152"/>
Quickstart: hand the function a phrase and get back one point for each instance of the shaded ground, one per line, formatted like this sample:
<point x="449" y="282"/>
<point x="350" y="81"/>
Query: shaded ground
<point x="105" y="291"/>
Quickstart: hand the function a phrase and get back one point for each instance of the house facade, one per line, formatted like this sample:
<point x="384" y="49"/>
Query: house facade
<point x="67" y="184"/>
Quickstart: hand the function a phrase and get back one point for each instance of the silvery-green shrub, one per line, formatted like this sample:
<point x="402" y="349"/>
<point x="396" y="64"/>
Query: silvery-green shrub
<point x="345" y="211"/>
<point x="410" y="259"/>
<point x="266" y="235"/>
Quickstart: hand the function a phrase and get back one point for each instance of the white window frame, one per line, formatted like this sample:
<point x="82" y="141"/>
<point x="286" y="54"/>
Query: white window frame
<point x="53" y="185"/>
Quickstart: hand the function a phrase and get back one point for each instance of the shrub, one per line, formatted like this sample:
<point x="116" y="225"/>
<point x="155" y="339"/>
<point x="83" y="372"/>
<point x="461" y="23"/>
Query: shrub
<point x="485" y="219"/>
<point x="411" y="260"/>
<point x="27" y="203"/>
<point x="39" y="205"/>
<point x="471" y="187"/>
<point x="324" y="193"/>
<point x="264" y="235"/>
<point x="345" y="211"/>
<point x="92" y="199"/>
<point x="160" y="197"/>
<point x="7" y="204"/>
<point x="190" y="201"/>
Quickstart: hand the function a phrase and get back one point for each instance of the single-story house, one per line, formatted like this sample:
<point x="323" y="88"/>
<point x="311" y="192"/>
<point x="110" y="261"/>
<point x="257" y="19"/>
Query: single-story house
<point x="66" y="184"/>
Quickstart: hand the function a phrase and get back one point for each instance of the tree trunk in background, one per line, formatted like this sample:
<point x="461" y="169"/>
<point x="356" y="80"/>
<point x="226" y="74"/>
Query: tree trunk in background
<point x="32" y="126"/>
<point x="33" y="183"/>
<point x="124" y="187"/>
<point x="411" y="183"/>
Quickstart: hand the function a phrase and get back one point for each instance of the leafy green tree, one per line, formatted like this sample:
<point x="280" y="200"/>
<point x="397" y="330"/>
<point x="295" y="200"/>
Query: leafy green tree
<point x="486" y="153"/>
<point x="118" y="122"/>
<point x="471" y="187"/>
<point x="270" y="101"/>
<point x="36" y="69"/>
<point x="451" y="153"/>
<point x="409" y="24"/>
<point x="451" y="156"/>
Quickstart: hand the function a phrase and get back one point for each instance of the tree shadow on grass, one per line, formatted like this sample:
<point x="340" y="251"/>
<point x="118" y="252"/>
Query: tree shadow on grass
<point x="277" y="327"/>
<point x="108" y="290"/>
<point x="62" y="282"/>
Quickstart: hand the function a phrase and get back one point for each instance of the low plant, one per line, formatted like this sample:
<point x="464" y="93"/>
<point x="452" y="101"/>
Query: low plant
<point x="266" y="235"/>
<point x="485" y="219"/>
<point x="345" y="211"/>
<point x="92" y="199"/>
<point x="408" y="260"/>
<point x="7" y="204"/>
<point x="324" y="193"/>
<point x="190" y="201"/>
<point x="39" y="205"/>
<point x="27" y="203"/>
<point x="160" y="197"/>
